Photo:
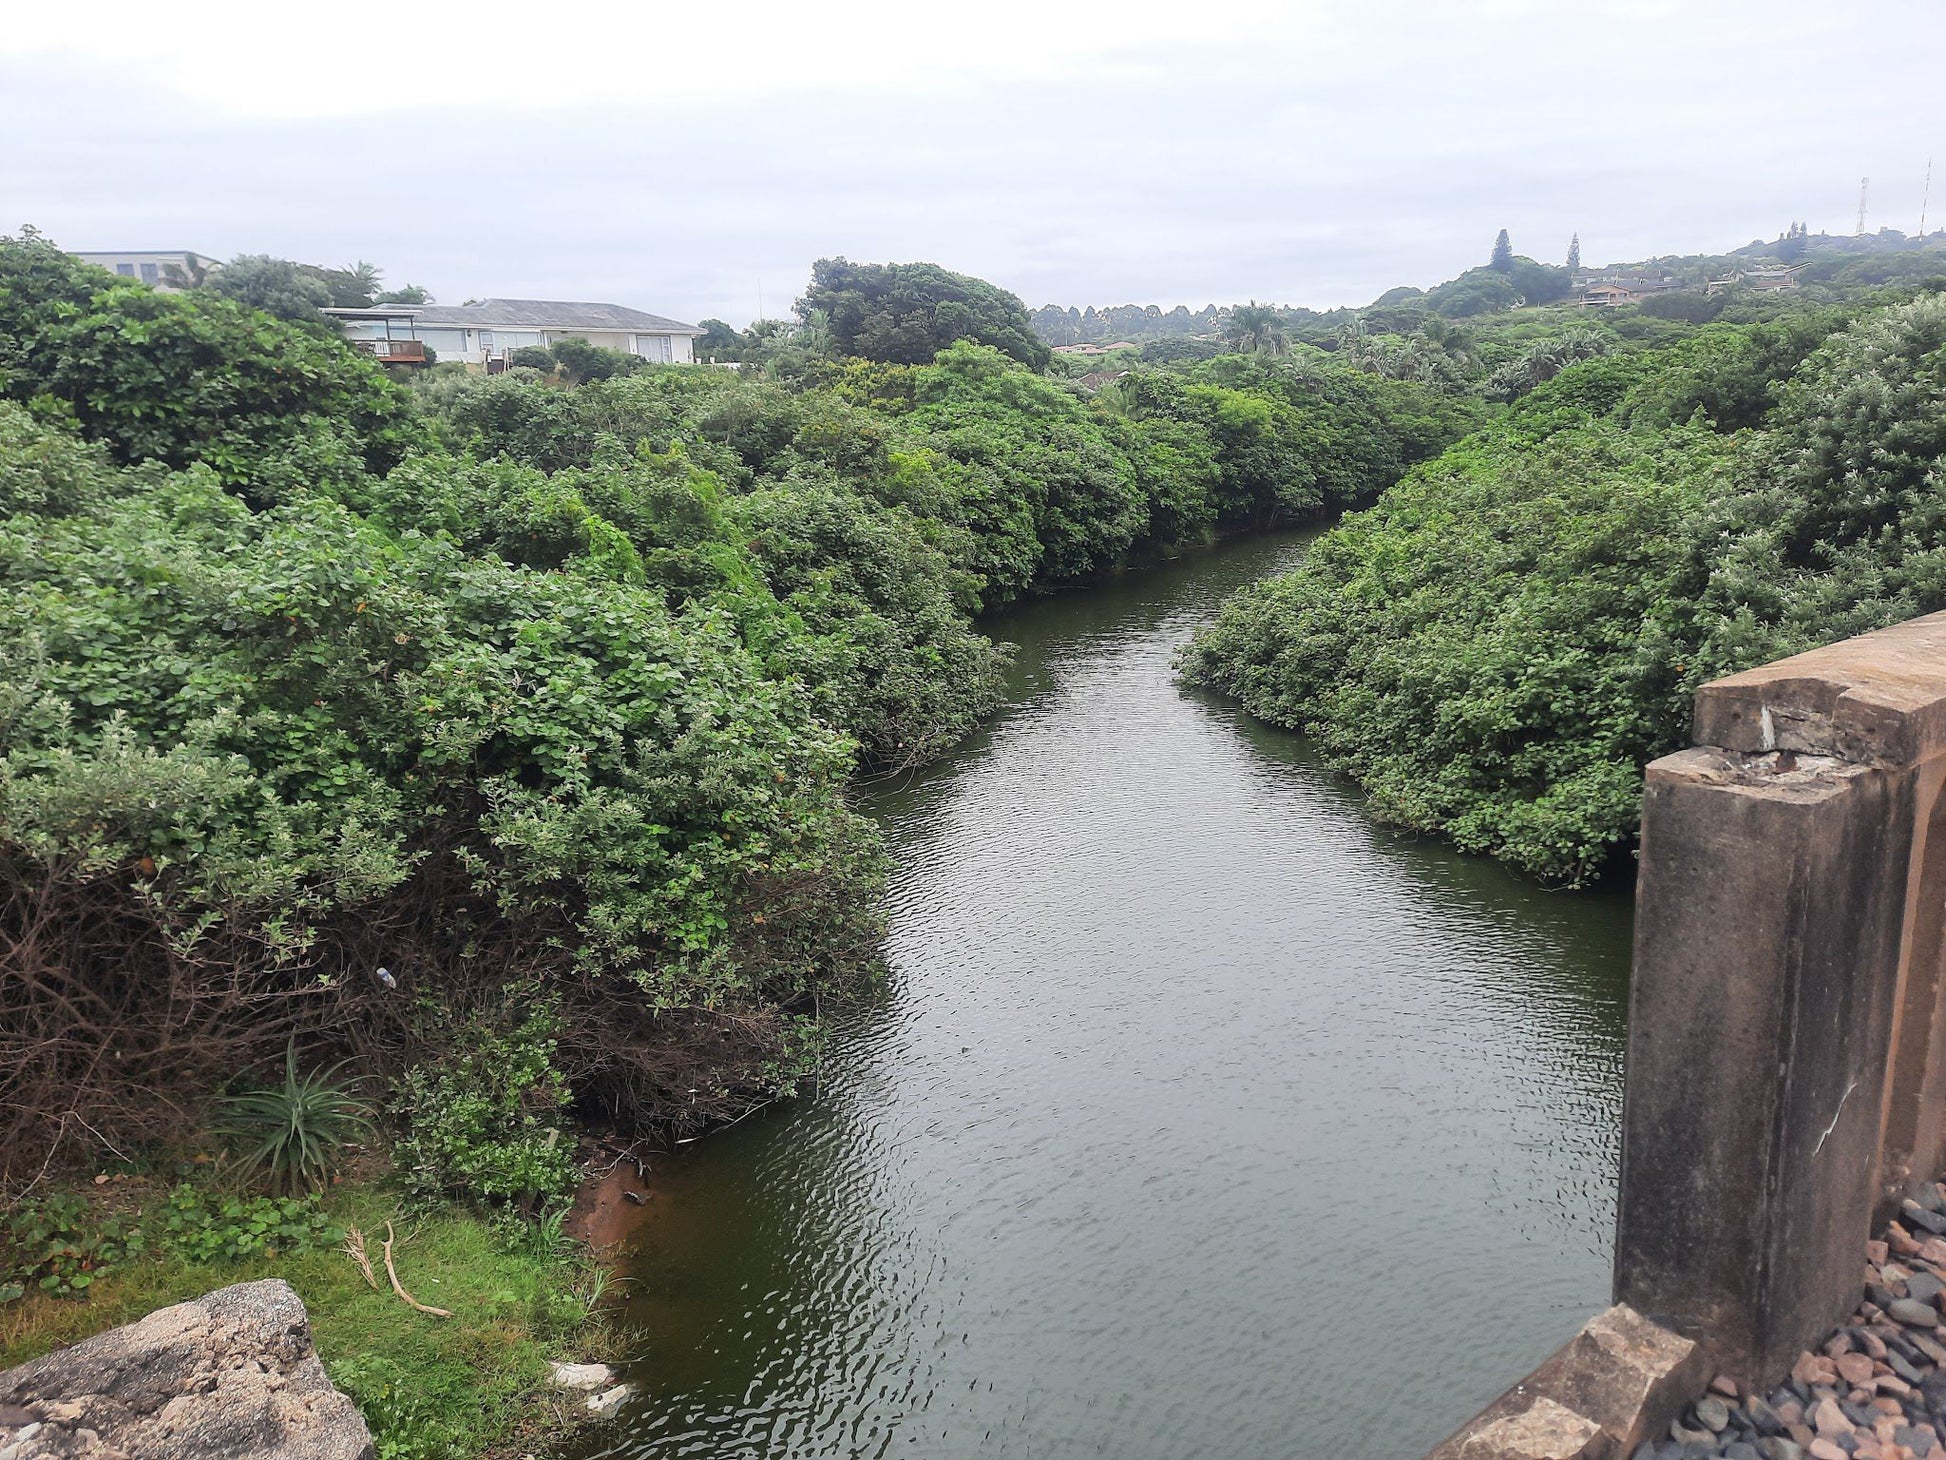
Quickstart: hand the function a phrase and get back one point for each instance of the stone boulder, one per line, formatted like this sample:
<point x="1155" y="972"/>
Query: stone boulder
<point x="228" y="1376"/>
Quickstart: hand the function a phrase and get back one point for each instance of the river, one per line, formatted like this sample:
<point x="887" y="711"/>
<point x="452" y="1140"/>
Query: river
<point x="1201" y="1117"/>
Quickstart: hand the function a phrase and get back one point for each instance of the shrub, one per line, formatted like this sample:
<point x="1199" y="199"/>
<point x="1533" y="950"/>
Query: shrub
<point x="485" y="1121"/>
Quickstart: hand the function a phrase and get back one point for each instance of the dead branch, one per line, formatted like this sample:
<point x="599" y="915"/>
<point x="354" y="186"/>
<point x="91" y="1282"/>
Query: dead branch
<point x="399" y="1287"/>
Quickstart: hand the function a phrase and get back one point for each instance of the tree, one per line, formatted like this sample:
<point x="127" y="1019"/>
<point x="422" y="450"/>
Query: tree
<point x="276" y="286"/>
<point x="905" y="314"/>
<point x="1574" y="252"/>
<point x="1256" y="329"/>
<point x="1503" y="253"/>
<point x="411" y="294"/>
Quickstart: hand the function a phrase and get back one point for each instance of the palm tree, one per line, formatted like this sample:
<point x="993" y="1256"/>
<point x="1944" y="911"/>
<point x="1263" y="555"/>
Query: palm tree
<point x="1256" y="329"/>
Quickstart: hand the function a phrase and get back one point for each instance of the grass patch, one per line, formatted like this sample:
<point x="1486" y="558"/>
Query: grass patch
<point x="430" y="1388"/>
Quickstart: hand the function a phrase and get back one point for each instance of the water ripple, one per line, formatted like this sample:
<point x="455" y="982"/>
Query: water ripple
<point x="1201" y="1118"/>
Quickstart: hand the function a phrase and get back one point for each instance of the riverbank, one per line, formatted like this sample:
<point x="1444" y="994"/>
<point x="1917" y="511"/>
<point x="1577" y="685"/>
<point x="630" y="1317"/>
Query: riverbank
<point x="474" y="1384"/>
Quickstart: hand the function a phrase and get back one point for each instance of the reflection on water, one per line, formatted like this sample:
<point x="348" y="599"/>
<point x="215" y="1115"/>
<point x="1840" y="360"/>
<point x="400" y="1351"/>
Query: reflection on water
<point x="1201" y="1117"/>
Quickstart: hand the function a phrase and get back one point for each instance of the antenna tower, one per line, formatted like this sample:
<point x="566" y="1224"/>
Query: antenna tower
<point x="1864" y="187"/>
<point x="1925" y="198"/>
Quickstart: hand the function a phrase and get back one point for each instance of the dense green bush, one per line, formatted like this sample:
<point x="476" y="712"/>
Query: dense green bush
<point x="272" y="408"/>
<point x="1497" y="647"/>
<point x="545" y="681"/>
<point x="485" y="1121"/>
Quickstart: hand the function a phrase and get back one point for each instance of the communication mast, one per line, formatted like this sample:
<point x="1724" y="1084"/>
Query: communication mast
<point x="1925" y="198"/>
<point x="1864" y="187"/>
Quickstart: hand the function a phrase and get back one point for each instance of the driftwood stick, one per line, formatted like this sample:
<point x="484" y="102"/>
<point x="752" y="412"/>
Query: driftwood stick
<point x="355" y="1250"/>
<point x="399" y="1287"/>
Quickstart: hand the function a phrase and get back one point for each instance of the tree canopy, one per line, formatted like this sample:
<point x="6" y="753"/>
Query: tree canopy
<point x="904" y="314"/>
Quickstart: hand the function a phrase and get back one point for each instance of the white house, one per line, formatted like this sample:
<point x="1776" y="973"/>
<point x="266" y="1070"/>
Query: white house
<point x="152" y="266"/>
<point x="484" y="333"/>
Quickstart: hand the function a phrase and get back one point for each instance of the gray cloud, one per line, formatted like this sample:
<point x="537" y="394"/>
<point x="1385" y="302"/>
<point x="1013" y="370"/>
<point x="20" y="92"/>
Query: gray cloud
<point x="1386" y="151"/>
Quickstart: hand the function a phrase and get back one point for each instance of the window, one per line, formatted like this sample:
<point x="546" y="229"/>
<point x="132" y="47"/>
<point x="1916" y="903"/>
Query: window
<point x="150" y="273"/>
<point x="127" y="271"/>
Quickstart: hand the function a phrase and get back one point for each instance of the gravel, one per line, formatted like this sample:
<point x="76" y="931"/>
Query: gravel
<point x="1874" y="1390"/>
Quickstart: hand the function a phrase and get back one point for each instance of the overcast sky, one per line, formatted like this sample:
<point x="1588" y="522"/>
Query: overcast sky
<point x="683" y="158"/>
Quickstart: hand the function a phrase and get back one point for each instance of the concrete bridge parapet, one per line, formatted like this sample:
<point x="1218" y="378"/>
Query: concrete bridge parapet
<point x="1786" y="1079"/>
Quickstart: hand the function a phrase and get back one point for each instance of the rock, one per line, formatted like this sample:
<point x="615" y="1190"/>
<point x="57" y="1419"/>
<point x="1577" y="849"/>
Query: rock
<point x="1726" y="1386"/>
<point x="1913" y="1313"/>
<point x="1918" y="1218"/>
<point x="1829" y="1420"/>
<point x="604" y="1404"/>
<point x="1900" y="1240"/>
<point x="582" y="1376"/>
<point x="1854" y="1369"/>
<point x="1776" y="1447"/>
<point x="1876" y="1252"/>
<point x="1898" y="1364"/>
<point x="1712" y="1414"/>
<point x="1826" y="1450"/>
<point x="1924" y="1286"/>
<point x="229" y="1376"/>
<point x="1763" y="1418"/>
<point x="1683" y="1434"/>
<point x="1812" y="1369"/>
<point x="1924" y="1343"/>
<point x="1741" y="1450"/>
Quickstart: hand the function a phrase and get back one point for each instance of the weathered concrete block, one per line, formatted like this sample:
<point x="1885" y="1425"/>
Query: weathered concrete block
<point x="230" y="1376"/>
<point x="1616" y="1383"/>
<point x="1769" y="916"/>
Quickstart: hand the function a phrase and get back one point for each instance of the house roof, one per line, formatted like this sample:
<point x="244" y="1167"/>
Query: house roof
<point x="549" y="314"/>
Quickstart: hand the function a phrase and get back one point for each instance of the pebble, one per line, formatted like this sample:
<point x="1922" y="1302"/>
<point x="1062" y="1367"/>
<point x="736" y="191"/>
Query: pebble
<point x="1917" y="1216"/>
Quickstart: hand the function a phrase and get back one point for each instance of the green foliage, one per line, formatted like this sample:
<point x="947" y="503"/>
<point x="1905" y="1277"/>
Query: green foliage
<point x="202" y="1226"/>
<point x="294" y="1133"/>
<point x="485" y="1121"/>
<point x="1499" y="645"/>
<point x="57" y="1245"/>
<point x="907" y="313"/>
<point x="272" y="408"/>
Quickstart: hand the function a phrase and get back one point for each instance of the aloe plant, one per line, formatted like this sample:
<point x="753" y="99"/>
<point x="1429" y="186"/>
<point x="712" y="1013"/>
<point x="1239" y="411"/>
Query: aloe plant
<point x="296" y="1132"/>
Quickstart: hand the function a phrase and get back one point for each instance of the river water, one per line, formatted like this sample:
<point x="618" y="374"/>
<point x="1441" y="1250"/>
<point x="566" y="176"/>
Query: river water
<point x="1201" y="1116"/>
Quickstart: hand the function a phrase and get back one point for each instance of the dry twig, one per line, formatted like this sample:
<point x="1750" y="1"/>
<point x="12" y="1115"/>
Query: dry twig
<point x="355" y="1250"/>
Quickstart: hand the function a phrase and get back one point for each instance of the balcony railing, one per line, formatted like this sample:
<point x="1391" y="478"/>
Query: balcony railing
<point x="396" y="352"/>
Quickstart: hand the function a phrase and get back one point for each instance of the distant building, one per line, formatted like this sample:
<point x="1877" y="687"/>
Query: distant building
<point x="1765" y="277"/>
<point x="1096" y="379"/>
<point x="487" y="332"/>
<point x="1610" y="291"/>
<point x="1093" y="349"/>
<point x="154" y="267"/>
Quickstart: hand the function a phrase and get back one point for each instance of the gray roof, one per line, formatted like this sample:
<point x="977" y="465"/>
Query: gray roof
<point x="549" y="314"/>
